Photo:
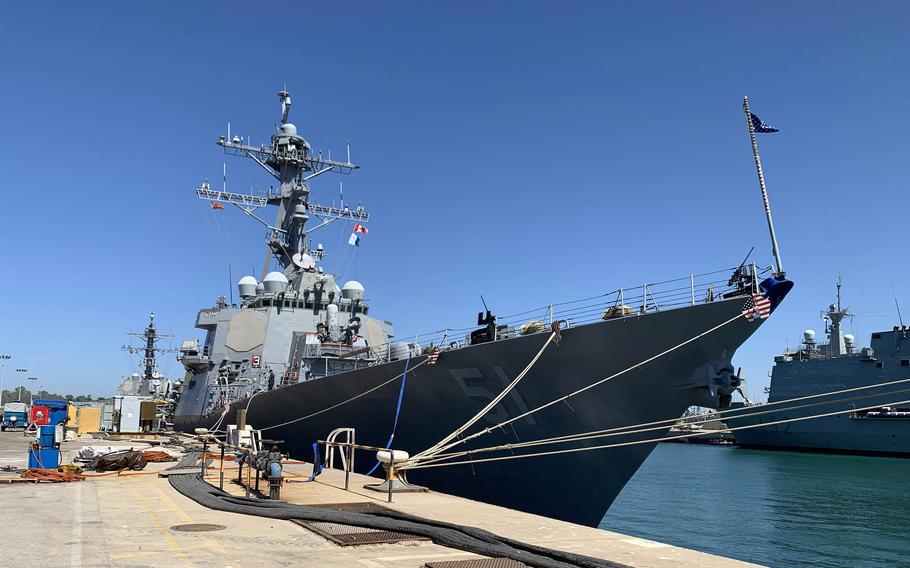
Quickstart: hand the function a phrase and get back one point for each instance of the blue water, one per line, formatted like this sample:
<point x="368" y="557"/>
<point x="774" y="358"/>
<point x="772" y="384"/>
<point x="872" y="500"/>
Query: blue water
<point x="772" y="508"/>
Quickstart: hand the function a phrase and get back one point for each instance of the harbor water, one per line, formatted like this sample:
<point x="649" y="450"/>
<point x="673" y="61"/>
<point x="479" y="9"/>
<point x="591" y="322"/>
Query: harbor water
<point x="773" y="508"/>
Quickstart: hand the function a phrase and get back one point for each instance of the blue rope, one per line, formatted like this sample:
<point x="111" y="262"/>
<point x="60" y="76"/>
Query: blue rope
<point x="404" y="380"/>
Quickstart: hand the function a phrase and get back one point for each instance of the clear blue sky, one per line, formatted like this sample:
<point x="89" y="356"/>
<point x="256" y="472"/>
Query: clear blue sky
<point x="526" y="151"/>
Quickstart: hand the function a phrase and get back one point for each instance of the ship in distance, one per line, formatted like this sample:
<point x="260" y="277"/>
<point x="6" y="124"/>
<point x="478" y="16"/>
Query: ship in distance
<point x="862" y="420"/>
<point x="306" y="354"/>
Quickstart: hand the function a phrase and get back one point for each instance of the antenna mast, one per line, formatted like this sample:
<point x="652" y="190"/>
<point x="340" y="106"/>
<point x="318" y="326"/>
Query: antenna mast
<point x="290" y="159"/>
<point x="150" y="348"/>
<point x="764" y="191"/>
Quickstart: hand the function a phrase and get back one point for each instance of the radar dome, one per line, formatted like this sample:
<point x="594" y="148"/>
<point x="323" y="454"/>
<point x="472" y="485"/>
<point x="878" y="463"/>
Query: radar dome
<point x="809" y="335"/>
<point x="288" y="129"/>
<point x="275" y="283"/>
<point x="849" y="339"/>
<point x="352" y="290"/>
<point x="247" y="286"/>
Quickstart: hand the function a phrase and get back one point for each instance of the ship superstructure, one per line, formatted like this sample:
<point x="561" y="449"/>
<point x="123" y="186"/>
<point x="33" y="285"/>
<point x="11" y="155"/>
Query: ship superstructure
<point x="861" y="420"/>
<point x="305" y="355"/>
<point x="150" y="382"/>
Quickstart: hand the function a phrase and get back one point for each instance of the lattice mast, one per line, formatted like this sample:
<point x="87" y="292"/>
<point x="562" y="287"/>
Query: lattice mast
<point x="290" y="160"/>
<point x="149" y="349"/>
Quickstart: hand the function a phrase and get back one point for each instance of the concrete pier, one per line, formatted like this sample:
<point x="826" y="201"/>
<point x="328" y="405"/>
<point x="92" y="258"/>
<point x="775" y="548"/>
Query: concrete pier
<point x="126" y="521"/>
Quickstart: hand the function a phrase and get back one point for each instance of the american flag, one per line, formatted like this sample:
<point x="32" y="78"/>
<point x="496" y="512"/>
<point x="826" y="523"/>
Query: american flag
<point x="433" y="355"/>
<point x="757" y="307"/>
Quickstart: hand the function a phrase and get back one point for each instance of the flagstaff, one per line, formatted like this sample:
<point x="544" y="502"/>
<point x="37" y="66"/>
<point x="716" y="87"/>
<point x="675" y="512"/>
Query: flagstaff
<point x="751" y="119"/>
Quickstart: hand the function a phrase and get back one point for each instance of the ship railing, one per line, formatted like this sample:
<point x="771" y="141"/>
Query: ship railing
<point x="623" y="302"/>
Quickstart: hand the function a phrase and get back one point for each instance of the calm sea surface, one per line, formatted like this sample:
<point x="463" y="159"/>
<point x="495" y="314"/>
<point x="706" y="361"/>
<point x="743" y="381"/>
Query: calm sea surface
<point x="772" y="508"/>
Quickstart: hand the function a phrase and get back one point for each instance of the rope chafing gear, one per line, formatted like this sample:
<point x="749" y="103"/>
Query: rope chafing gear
<point x="334" y="406"/>
<point x="655" y="440"/>
<point x="441" y="445"/>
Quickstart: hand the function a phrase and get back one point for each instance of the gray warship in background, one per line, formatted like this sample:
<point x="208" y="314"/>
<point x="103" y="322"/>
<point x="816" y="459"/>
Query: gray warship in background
<point x="837" y="365"/>
<point x="306" y="354"/>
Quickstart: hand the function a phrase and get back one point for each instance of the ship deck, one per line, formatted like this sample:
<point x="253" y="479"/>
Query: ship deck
<point x="128" y="520"/>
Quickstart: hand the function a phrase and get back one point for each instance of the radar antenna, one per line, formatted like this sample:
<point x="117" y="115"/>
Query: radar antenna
<point x="149" y="349"/>
<point x="290" y="160"/>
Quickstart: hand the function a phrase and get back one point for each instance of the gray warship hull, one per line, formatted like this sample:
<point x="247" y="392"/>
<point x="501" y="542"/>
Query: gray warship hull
<point x="867" y="415"/>
<point x="438" y="398"/>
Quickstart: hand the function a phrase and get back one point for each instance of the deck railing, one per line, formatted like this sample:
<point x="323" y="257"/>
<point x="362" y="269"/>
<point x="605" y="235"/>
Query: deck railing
<point x="623" y="302"/>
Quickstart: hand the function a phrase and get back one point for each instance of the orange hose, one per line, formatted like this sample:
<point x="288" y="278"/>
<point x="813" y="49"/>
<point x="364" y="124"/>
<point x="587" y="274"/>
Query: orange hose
<point x="51" y="475"/>
<point x="158" y="456"/>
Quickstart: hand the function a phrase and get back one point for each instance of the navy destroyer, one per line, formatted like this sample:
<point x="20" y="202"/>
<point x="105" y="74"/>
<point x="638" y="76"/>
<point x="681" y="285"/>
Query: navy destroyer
<point x="305" y="354"/>
<point x="862" y="420"/>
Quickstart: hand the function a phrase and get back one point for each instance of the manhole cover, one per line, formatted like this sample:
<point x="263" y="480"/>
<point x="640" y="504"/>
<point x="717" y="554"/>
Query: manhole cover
<point x="198" y="527"/>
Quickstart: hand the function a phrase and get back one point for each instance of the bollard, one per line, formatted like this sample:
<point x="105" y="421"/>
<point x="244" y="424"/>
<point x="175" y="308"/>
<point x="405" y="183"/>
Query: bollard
<point x="221" y="473"/>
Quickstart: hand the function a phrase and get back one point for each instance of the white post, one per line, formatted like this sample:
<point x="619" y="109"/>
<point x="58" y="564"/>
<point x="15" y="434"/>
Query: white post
<point x="644" y="298"/>
<point x="692" y="287"/>
<point x="551" y="313"/>
<point x="764" y="191"/>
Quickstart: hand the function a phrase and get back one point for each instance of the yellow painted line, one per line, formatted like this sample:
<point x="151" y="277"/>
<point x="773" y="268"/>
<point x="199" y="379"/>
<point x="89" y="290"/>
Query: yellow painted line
<point x="215" y="546"/>
<point x="168" y="537"/>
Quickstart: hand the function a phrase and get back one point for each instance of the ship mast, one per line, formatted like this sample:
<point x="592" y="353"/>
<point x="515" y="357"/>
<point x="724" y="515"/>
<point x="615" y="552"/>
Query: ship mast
<point x="835" y="314"/>
<point x="290" y="160"/>
<point x="149" y="349"/>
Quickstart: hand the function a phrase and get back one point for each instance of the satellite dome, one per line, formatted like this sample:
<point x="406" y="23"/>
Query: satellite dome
<point x="275" y="282"/>
<point x="247" y="286"/>
<point x="849" y="339"/>
<point x="288" y="129"/>
<point x="352" y="290"/>
<point x="809" y="335"/>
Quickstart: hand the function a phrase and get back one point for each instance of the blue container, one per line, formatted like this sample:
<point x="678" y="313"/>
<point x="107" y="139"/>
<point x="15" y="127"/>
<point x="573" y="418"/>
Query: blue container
<point x="45" y="458"/>
<point x="57" y="410"/>
<point x="46" y="436"/>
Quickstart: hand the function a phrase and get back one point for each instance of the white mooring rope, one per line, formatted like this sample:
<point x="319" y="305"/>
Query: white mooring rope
<point x="651" y="440"/>
<point x="439" y="446"/>
<point x="426" y="454"/>
<point x="353" y="398"/>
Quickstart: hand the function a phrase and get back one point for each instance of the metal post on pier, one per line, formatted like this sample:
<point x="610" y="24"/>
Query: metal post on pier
<point x="391" y="474"/>
<point x="249" y="466"/>
<point x="761" y="183"/>
<point x="205" y="445"/>
<point x="221" y="470"/>
<point x="347" y="467"/>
